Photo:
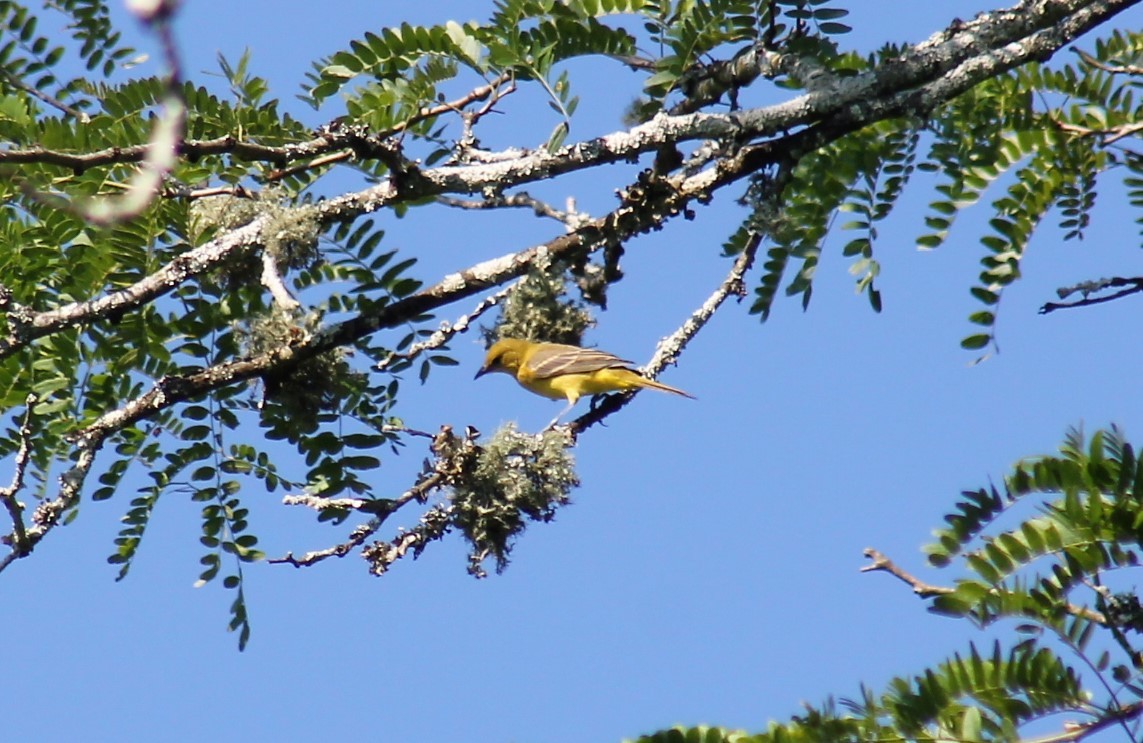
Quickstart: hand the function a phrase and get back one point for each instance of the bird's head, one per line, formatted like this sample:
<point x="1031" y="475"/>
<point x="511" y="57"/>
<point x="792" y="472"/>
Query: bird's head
<point x="504" y="356"/>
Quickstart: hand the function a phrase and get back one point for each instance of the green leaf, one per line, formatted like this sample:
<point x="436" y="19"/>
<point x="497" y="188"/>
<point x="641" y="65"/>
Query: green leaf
<point x="974" y="342"/>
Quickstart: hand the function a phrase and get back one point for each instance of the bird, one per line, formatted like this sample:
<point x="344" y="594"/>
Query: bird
<point x="559" y="371"/>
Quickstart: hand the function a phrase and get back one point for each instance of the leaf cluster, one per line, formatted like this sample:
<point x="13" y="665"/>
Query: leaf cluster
<point x="1086" y="527"/>
<point x="974" y="697"/>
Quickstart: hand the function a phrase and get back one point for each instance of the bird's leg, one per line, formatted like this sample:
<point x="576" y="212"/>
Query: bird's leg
<point x="565" y="411"/>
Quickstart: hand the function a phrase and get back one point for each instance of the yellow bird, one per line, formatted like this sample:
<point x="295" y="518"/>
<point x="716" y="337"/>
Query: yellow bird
<point x="559" y="371"/>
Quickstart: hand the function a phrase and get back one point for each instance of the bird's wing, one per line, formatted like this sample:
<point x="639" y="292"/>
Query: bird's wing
<point x="554" y="360"/>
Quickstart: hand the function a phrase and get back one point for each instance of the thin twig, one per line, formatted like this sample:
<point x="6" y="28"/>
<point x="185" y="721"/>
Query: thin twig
<point x="317" y="162"/>
<point x="1103" y="599"/>
<point x="927" y="590"/>
<point x="356" y="538"/>
<point x="362" y="532"/>
<point x="48" y="513"/>
<point x="670" y="347"/>
<point x="20" y="545"/>
<point x="317" y="503"/>
<point x="1076" y="731"/>
<point x="472" y="118"/>
<point x="450" y="453"/>
<point x="329" y="146"/>
<point x="522" y="200"/>
<point x="184" y="192"/>
<point x="1127" y="69"/>
<point x="433" y="524"/>
<point x="1108" y="136"/>
<point x="881" y="562"/>
<point x="446" y="331"/>
<point x="410" y="431"/>
<point x="272" y="280"/>
<point x="16" y="82"/>
<point x="491" y="91"/>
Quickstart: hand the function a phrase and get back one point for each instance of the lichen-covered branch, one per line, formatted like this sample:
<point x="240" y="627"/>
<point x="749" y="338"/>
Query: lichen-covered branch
<point x="25" y="326"/>
<point x="18" y="539"/>
<point x="934" y="72"/>
<point x="434" y="477"/>
<point x="521" y="200"/>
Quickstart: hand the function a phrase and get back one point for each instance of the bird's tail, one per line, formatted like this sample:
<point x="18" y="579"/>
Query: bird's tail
<point x="644" y="382"/>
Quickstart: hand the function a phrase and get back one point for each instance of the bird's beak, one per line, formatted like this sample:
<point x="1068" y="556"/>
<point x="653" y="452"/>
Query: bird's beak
<point x="481" y="372"/>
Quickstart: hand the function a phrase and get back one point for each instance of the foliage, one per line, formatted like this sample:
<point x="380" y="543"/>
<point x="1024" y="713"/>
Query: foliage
<point x="1059" y="570"/>
<point x="1056" y="572"/>
<point x="253" y="303"/>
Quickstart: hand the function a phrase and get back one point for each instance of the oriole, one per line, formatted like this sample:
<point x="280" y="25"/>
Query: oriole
<point x="557" y="371"/>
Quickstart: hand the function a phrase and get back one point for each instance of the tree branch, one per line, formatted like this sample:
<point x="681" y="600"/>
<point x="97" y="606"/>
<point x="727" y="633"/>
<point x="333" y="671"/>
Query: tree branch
<point x="55" y="103"/>
<point x="1086" y="288"/>
<point x="333" y="143"/>
<point x="18" y="540"/>
<point x="33" y="325"/>
<point x="1107" y="718"/>
<point x="670" y="347"/>
<point x="881" y="562"/>
<point x="432" y="478"/>
<point x="272" y="280"/>
<point x="521" y="200"/>
<point x="928" y="591"/>
<point x="356" y="538"/>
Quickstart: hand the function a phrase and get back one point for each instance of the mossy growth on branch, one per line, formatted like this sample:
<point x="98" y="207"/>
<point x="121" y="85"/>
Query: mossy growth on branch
<point x="289" y="234"/>
<point x="306" y="390"/>
<point x="536" y="310"/>
<point x="514" y="478"/>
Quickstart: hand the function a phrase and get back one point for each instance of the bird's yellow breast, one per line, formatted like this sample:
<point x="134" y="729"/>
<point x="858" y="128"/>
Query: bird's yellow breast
<point x="574" y="386"/>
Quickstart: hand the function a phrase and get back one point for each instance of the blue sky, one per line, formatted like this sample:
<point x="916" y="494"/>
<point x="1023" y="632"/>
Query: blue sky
<point x="707" y="571"/>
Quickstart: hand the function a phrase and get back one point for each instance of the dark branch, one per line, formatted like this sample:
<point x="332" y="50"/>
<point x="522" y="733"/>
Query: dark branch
<point x="18" y="540"/>
<point x="1087" y="288"/>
